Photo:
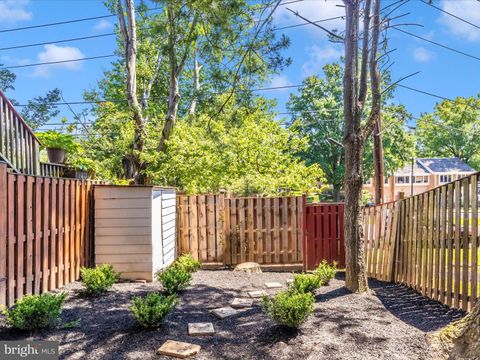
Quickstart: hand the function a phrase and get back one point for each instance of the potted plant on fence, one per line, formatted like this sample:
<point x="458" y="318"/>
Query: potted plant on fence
<point x="57" y="145"/>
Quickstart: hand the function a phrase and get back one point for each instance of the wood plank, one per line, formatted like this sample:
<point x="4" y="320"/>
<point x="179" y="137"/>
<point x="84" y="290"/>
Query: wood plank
<point x="293" y="228"/>
<point x="73" y="258"/>
<point x="20" y="236"/>
<point x="443" y="237"/>
<point x="78" y="226"/>
<point x="241" y="229"/>
<point x="59" y="243"/>
<point x="425" y="236"/>
<point x="53" y="235"/>
<point x="45" y="234"/>
<point x="211" y="240"/>
<point x="66" y="236"/>
<point x="227" y="249"/>
<point x="414" y="248"/>
<point x="252" y="246"/>
<point x="220" y="227"/>
<point x="465" y="242"/>
<point x="268" y="232"/>
<point x="458" y="214"/>
<point x="3" y="220"/>
<point x="193" y="226"/>
<point x="474" y="241"/>
<point x="29" y="236"/>
<point x="259" y="231"/>
<point x="301" y="226"/>
<point x="37" y="258"/>
<point x="436" y="247"/>
<point x="383" y="232"/>
<point x="450" y="207"/>
<point x="233" y="231"/>
<point x="11" y="203"/>
<point x="202" y="223"/>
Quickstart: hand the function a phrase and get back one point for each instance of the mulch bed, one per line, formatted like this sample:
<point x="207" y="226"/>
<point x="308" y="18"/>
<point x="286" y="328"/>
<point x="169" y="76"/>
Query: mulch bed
<point x="388" y="324"/>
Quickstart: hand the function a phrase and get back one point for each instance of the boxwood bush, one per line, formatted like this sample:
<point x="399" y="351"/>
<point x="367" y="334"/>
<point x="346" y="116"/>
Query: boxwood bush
<point x="305" y="283"/>
<point x="34" y="312"/>
<point x="99" y="279"/>
<point x="326" y="272"/>
<point x="150" y="310"/>
<point x="290" y="308"/>
<point x="174" y="278"/>
<point x="188" y="263"/>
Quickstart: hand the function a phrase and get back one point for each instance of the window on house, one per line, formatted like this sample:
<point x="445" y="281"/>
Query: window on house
<point x="459" y="176"/>
<point x="421" y="179"/>
<point x="402" y="180"/>
<point x="445" y="179"/>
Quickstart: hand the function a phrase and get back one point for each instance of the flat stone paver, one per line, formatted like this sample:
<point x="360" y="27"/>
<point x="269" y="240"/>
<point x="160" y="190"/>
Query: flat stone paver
<point x="239" y="303"/>
<point x="178" y="349"/>
<point x="224" y="312"/>
<point x="257" y="294"/>
<point x="200" y="329"/>
<point x="273" y="285"/>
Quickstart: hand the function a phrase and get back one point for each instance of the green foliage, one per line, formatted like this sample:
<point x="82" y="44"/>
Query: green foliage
<point x="42" y="109"/>
<point x="99" y="279"/>
<point x="452" y="130"/>
<point x="188" y="263"/>
<point x="305" y="283"/>
<point x="34" y="312"/>
<point x="325" y="272"/>
<point x="174" y="279"/>
<point x="7" y="79"/>
<point x="289" y="308"/>
<point x="150" y="310"/>
<point x="54" y="139"/>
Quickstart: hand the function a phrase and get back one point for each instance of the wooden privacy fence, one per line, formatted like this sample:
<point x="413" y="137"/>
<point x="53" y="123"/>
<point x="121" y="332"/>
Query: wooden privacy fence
<point x="436" y="242"/>
<point x="324" y="238"/>
<point x="229" y="231"/>
<point x="45" y="233"/>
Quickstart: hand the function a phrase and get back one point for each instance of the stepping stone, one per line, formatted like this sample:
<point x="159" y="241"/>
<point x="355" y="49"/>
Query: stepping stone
<point x="178" y="349"/>
<point x="200" y="329"/>
<point x="224" y="312"/>
<point x="239" y="303"/>
<point x="273" y="285"/>
<point x="257" y="294"/>
<point x="249" y="267"/>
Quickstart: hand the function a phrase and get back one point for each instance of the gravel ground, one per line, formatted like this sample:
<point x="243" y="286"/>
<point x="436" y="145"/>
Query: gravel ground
<point x="388" y="324"/>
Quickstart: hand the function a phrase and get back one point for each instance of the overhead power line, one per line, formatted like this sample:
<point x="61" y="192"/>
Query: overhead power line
<point x="56" y="41"/>
<point x="437" y="44"/>
<point x="450" y="14"/>
<point x="57" y="62"/>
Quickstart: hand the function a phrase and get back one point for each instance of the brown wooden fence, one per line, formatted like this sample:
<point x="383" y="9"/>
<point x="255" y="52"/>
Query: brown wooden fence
<point x="228" y="231"/>
<point x="45" y="233"/>
<point x="436" y="242"/>
<point x="324" y="238"/>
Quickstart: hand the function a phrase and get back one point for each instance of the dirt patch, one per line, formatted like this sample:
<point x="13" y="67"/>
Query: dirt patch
<point x="388" y="324"/>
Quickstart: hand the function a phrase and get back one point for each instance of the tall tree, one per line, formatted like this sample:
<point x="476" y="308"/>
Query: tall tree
<point x="41" y="109"/>
<point x="452" y="130"/>
<point x="7" y="79"/>
<point x="318" y="114"/>
<point x="355" y="87"/>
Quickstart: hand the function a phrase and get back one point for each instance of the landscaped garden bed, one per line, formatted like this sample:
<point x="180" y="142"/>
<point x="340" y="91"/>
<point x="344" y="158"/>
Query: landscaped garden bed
<point x="388" y="324"/>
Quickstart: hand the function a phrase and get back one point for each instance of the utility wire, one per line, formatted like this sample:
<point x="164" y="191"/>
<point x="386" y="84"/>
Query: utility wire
<point x="437" y="44"/>
<point x="449" y="13"/>
<point x="57" y="62"/>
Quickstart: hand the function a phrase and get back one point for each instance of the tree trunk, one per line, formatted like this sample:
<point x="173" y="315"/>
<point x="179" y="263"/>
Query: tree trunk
<point x="196" y="83"/>
<point x="378" y="166"/>
<point x="461" y="339"/>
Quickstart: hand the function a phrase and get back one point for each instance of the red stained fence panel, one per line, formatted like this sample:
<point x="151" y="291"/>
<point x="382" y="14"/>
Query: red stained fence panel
<point x="324" y="237"/>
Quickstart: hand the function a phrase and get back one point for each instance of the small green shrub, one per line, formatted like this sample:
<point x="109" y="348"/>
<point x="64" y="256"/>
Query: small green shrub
<point x="326" y="272"/>
<point x="174" y="279"/>
<point x="290" y="308"/>
<point x="306" y="283"/>
<point x="35" y="311"/>
<point x="98" y="279"/>
<point x="188" y="263"/>
<point x="150" y="310"/>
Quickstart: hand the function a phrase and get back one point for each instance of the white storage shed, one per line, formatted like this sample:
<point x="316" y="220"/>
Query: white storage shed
<point x="135" y="229"/>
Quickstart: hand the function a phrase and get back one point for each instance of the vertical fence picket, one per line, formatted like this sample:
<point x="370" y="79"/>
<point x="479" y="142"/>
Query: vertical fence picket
<point x="3" y="221"/>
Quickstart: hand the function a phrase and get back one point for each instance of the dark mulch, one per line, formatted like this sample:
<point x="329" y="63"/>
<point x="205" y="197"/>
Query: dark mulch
<point x="388" y="324"/>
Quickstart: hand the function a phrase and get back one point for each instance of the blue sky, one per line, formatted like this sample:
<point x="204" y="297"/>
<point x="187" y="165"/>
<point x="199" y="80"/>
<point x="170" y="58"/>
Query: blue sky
<point x="441" y="71"/>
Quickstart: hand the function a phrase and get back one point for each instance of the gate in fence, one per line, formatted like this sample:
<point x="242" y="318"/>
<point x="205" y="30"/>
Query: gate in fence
<point x="324" y="237"/>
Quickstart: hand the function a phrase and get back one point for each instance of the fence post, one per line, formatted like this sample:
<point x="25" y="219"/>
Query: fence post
<point x="304" y="231"/>
<point x="3" y="234"/>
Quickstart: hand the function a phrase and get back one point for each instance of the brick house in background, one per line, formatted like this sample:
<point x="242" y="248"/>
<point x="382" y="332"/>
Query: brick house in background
<point x="428" y="173"/>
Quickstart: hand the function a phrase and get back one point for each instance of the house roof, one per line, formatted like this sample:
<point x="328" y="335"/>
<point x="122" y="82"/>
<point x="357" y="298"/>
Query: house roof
<point x="426" y="166"/>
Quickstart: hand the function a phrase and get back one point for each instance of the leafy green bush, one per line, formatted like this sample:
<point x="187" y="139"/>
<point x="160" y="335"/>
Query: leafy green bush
<point x="306" y="283"/>
<point x="290" y="308"/>
<point x="150" y="310"/>
<point x="55" y="139"/>
<point x="326" y="272"/>
<point x="188" y="263"/>
<point x="98" y="279"/>
<point x="174" y="279"/>
<point x="34" y="312"/>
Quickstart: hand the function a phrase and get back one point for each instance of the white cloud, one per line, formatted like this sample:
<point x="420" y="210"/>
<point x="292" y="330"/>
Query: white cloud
<point x="468" y="10"/>
<point x="318" y="57"/>
<point x="12" y="11"/>
<point x="312" y="10"/>
<point x="102" y="25"/>
<point x="422" y="55"/>
<point x="280" y="81"/>
<point x="54" y="53"/>
<point x="10" y="60"/>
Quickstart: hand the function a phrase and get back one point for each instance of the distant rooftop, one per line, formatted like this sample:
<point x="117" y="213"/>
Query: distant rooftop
<point x="425" y="166"/>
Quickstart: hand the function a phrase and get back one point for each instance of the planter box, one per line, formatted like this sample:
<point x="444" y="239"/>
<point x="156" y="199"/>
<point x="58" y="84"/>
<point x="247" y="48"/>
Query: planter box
<point x="135" y="229"/>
